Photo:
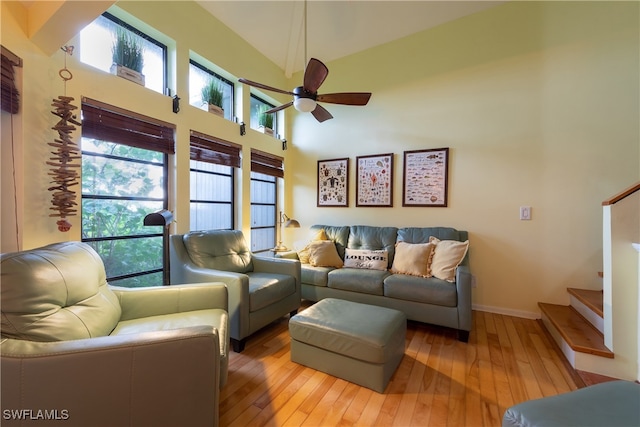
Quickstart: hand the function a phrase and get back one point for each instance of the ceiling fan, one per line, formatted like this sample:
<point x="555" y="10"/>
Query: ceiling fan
<point x="306" y="97"/>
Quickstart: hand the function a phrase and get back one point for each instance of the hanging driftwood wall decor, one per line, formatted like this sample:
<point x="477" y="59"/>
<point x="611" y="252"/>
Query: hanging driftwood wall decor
<point x="64" y="173"/>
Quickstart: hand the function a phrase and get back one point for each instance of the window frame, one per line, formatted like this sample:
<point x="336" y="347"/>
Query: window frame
<point x="165" y="54"/>
<point x="255" y="178"/>
<point x="224" y="80"/>
<point x="275" y="115"/>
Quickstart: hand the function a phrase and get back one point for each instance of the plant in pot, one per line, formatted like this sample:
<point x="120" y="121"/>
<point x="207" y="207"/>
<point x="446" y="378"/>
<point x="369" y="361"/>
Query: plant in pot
<point x="212" y="96"/>
<point x="265" y="121"/>
<point x="127" y="54"/>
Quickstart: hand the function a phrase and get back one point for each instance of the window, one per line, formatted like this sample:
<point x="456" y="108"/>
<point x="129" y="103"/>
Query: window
<point x="96" y="42"/>
<point x="258" y="105"/>
<point x="124" y="178"/>
<point x="212" y="182"/>
<point x="265" y="170"/>
<point x="199" y="76"/>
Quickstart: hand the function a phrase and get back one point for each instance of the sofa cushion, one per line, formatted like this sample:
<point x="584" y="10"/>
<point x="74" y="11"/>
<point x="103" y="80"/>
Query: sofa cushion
<point x="373" y="238"/>
<point x="303" y="254"/>
<point x="357" y="280"/>
<point x="266" y="289"/>
<point x="413" y="259"/>
<point x="317" y="276"/>
<point x="338" y="234"/>
<point x="56" y="293"/>
<point x="365" y="258"/>
<point x="422" y="234"/>
<point x="447" y="255"/>
<point x="418" y="289"/>
<point x="323" y="253"/>
<point x="219" y="250"/>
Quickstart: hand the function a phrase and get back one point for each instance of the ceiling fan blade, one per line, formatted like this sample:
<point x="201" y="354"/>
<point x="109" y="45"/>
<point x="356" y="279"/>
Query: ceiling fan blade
<point x="314" y="75"/>
<point x="265" y="87"/>
<point x="321" y="114"/>
<point x="346" y="98"/>
<point x="281" y="107"/>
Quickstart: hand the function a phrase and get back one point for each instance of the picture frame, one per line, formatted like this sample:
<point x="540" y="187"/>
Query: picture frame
<point x="374" y="180"/>
<point x="333" y="183"/>
<point x="425" y="178"/>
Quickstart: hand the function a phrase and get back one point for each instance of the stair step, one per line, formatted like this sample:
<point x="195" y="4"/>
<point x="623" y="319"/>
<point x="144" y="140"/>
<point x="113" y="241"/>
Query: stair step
<point x="579" y="334"/>
<point x="592" y="299"/>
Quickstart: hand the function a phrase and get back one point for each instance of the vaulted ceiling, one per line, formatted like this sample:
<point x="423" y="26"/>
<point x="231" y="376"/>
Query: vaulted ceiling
<point x="334" y="28"/>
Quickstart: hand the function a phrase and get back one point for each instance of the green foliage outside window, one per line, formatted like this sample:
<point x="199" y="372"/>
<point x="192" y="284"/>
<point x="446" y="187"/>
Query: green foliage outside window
<point x="120" y="186"/>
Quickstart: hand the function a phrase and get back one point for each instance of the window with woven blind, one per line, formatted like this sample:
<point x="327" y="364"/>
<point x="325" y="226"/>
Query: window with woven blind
<point x="266" y="168"/>
<point x="124" y="178"/>
<point x="10" y="96"/>
<point x="212" y="174"/>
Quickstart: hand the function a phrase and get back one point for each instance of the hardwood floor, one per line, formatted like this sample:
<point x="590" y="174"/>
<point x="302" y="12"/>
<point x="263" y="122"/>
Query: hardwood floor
<point x="440" y="381"/>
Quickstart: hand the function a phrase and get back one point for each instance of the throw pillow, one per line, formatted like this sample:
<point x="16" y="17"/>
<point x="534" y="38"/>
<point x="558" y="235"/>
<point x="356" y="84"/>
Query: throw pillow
<point x="447" y="255"/>
<point x="303" y="254"/>
<point x="323" y="253"/>
<point x="369" y="259"/>
<point x="412" y="259"/>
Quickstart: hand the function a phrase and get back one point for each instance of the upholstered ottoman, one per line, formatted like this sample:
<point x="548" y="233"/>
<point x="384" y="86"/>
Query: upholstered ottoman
<point x="360" y="343"/>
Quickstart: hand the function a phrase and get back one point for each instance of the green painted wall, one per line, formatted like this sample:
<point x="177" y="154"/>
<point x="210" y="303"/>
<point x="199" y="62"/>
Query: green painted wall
<point x="538" y="104"/>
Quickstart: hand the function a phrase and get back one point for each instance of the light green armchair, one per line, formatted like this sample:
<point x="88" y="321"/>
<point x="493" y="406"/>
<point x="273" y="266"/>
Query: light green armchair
<point x="75" y="349"/>
<point x="261" y="290"/>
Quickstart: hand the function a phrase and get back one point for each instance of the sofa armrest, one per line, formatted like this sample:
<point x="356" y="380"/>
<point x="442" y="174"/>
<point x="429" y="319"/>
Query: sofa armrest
<point x="287" y="255"/>
<point x="158" y="378"/>
<point x="155" y="301"/>
<point x="463" y="285"/>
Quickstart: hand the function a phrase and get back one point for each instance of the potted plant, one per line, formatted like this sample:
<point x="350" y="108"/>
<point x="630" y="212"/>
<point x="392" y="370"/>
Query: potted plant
<point x="212" y="96"/>
<point x="265" y="121"/>
<point x="127" y="56"/>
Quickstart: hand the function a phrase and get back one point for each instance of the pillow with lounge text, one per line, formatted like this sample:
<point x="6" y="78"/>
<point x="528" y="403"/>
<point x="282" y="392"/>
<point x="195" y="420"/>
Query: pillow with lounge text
<point x="412" y="259"/>
<point x="323" y="253"/>
<point x="303" y="254"/>
<point x="368" y="259"/>
<point x="447" y="256"/>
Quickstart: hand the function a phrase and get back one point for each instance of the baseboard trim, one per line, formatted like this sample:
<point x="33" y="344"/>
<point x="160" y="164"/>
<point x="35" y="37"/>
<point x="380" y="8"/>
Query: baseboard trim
<point x="507" y="311"/>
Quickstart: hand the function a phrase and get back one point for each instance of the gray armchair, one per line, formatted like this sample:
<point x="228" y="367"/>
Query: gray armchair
<point x="261" y="290"/>
<point x="78" y="350"/>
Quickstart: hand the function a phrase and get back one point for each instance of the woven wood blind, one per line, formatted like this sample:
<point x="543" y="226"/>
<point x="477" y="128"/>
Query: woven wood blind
<point x="109" y="123"/>
<point x="205" y="148"/>
<point x="10" y="97"/>
<point x="268" y="164"/>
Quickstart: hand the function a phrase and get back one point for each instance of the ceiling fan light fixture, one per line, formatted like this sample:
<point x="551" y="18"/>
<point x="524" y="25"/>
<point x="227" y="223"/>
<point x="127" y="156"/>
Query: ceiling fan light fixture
<point x="304" y="105"/>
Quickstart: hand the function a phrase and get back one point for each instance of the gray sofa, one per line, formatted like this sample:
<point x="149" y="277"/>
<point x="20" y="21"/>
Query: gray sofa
<point x="427" y="300"/>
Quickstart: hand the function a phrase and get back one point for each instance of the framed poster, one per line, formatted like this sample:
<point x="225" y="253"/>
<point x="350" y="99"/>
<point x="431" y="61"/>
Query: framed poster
<point x="374" y="180"/>
<point x="425" y="177"/>
<point x="333" y="183"/>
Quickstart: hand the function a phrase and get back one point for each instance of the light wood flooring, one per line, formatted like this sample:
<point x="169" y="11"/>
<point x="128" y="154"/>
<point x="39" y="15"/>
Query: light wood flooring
<point x="440" y="381"/>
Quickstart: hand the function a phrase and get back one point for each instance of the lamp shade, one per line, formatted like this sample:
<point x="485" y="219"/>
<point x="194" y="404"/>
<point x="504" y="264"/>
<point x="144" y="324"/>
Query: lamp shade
<point x="292" y="223"/>
<point x="163" y="218"/>
<point x="304" y="105"/>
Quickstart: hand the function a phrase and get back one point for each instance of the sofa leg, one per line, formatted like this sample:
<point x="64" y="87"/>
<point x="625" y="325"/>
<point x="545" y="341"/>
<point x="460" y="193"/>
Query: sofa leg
<point x="293" y="313"/>
<point x="238" y="345"/>
<point x="463" y="336"/>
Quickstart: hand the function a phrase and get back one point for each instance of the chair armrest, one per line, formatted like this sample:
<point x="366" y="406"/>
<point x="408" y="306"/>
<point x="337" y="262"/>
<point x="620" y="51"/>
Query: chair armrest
<point x="159" y="300"/>
<point x="277" y="266"/>
<point x="463" y="285"/>
<point x="158" y="378"/>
